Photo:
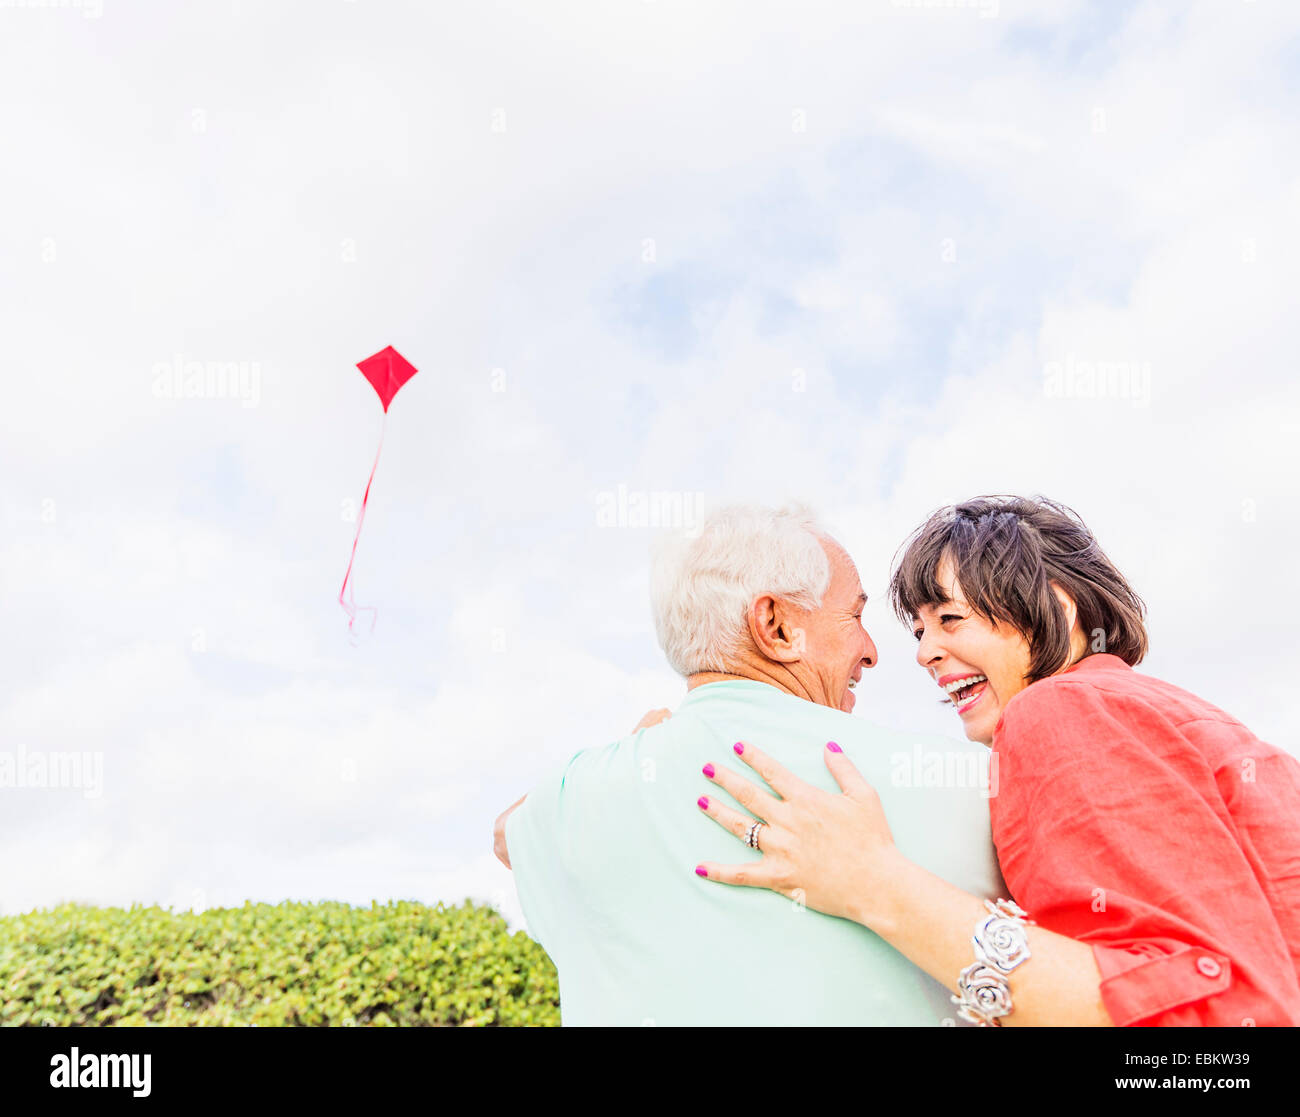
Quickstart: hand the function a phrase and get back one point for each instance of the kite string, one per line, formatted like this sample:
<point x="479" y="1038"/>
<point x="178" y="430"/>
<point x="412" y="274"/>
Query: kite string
<point x="349" y="606"/>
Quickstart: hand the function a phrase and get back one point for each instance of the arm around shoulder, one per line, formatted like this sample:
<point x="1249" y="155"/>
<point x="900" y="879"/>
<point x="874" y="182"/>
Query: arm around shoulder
<point x="499" y="833"/>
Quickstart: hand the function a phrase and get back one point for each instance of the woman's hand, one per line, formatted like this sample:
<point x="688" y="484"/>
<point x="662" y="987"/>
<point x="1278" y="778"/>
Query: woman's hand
<point x="499" y="833"/>
<point x="832" y="852"/>
<point x="835" y="853"/>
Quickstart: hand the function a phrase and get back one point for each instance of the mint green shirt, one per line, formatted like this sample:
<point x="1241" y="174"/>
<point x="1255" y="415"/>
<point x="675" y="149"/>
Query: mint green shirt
<point x="604" y="853"/>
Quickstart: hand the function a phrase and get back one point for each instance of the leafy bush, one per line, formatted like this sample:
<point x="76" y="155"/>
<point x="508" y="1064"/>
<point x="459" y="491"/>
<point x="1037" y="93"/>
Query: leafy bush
<point x="399" y="963"/>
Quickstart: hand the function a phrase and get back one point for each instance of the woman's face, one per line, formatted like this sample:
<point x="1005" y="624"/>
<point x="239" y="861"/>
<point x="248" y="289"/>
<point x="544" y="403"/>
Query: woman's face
<point x="981" y="666"/>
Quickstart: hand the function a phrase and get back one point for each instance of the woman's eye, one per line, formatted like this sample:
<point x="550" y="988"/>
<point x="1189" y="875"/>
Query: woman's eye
<point x="949" y="617"/>
<point x="917" y="634"/>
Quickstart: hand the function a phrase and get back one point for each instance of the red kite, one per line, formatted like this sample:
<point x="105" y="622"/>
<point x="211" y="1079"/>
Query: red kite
<point x="387" y="371"/>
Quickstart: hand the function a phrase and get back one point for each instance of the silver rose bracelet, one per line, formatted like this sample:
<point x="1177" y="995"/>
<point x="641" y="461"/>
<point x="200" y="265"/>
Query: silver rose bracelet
<point x="1000" y="946"/>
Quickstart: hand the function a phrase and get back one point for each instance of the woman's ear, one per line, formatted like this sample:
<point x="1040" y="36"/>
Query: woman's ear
<point x="1078" y="638"/>
<point x="1070" y="609"/>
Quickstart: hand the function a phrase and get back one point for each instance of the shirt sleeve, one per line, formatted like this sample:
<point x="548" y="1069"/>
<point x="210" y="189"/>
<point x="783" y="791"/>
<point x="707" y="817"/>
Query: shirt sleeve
<point x="534" y="841"/>
<point x="1111" y="830"/>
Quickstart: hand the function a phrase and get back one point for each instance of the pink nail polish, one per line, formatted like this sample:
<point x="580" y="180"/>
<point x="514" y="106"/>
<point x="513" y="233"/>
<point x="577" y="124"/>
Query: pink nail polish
<point x="740" y="749"/>
<point x="704" y="802"/>
<point x="701" y="871"/>
<point x="833" y="746"/>
<point x="708" y="770"/>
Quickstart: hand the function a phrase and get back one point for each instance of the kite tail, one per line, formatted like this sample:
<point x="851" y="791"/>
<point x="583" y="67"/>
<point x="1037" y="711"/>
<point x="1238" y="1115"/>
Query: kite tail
<point x="349" y="605"/>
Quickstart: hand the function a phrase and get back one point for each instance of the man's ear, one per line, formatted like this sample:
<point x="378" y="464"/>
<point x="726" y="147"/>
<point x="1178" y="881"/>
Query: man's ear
<point x="772" y="628"/>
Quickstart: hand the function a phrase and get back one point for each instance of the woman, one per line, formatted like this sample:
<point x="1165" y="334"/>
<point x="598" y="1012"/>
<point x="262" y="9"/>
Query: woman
<point x="1153" y="840"/>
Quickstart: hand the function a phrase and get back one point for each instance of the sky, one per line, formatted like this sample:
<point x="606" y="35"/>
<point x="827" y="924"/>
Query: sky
<point x="873" y="256"/>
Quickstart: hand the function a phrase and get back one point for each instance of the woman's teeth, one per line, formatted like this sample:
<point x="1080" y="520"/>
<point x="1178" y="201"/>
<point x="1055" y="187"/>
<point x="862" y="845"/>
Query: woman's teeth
<point x="958" y="690"/>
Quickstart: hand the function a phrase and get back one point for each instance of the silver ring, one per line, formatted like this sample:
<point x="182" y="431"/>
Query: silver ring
<point x="751" y="839"/>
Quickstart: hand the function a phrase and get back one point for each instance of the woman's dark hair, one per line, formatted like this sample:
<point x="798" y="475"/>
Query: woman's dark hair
<point x="1005" y="553"/>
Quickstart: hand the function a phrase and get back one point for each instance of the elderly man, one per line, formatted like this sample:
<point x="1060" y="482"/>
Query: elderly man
<point x="761" y="613"/>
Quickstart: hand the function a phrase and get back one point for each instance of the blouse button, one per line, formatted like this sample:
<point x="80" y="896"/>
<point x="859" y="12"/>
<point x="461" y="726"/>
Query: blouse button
<point x="1208" y="966"/>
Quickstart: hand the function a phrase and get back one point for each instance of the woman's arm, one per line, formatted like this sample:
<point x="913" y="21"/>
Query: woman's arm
<point x="844" y="862"/>
<point x="930" y="921"/>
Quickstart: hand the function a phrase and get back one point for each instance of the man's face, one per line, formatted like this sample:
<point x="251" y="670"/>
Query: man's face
<point x="836" y="646"/>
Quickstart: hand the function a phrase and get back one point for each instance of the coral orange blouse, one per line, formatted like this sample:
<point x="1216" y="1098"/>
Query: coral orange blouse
<point x="1134" y="816"/>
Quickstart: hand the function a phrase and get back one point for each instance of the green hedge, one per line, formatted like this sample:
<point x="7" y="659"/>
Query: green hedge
<point x="270" y="965"/>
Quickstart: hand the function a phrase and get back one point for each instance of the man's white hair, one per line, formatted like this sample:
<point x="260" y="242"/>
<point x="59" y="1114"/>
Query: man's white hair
<point x="701" y="586"/>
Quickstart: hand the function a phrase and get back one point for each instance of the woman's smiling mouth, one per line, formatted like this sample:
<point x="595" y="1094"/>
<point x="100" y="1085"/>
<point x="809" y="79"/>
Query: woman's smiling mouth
<point x="964" y="690"/>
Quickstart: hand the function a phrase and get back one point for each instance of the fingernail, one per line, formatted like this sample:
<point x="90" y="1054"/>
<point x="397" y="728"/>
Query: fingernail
<point x="708" y="770"/>
<point x="833" y="746"/>
<point x="740" y="749"/>
<point x="704" y="802"/>
<point x="701" y="871"/>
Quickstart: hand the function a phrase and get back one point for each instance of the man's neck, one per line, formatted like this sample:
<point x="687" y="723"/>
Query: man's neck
<point x="773" y="674"/>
